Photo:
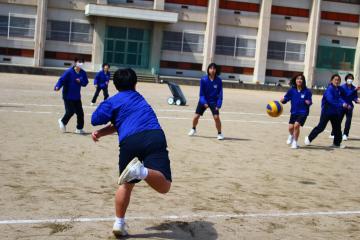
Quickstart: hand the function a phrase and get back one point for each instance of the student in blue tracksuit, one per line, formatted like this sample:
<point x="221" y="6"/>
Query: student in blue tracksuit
<point x="332" y="106"/>
<point x="211" y="96"/>
<point x="142" y="142"/>
<point x="349" y="95"/>
<point x="301" y="100"/>
<point x="101" y="82"/>
<point x="71" y="82"/>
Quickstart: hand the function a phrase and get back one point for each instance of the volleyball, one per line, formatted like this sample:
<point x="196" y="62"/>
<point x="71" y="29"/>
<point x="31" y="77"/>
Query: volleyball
<point x="274" y="108"/>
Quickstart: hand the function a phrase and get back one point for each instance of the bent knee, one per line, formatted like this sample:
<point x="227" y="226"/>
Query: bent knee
<point x="165" y="189"/>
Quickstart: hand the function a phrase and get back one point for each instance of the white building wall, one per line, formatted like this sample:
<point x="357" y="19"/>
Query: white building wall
<point x="340" y="7"/>
<point x="19" y="9"/>
<point x="295" y="4"/>
<point x="16" y="60"/>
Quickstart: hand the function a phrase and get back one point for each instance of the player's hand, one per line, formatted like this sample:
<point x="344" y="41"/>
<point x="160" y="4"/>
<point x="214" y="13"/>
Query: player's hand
<point x="77" y="80"/>
<point x="56" y="89"/>
<point x="282" y="100"/>
<point x="345" y="105"/>
<point x="308" y="102"/>
<point x="206" y="106"/>
<point x="95" y="136"/>
<point x="358" y="88"/>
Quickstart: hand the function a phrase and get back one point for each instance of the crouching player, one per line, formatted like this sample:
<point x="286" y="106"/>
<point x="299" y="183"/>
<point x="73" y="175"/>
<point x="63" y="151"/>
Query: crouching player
<point x="143" y="148"/>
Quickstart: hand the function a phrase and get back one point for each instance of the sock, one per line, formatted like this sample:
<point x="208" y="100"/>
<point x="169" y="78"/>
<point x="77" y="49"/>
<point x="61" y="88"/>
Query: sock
<point x="194" y="128"/>
<point x="120" y="221"/>
<point x="143" y="173"/>
<point x="219" y="132"/>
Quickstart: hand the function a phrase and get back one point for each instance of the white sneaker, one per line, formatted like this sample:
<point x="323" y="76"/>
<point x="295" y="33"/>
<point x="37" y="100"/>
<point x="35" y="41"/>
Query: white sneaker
<point x="290" y="139"/>
<point x="220" y="136"/>
<point x="331" y="136"/>
<point x="345" y="138"/>
<point x="79" y="131"/>
<point x="119" y="230"/>
<point x="61" y="125"/>
<point x="192" y="132"/>
<point x="307" y="141"/>
<point x="294" y="145"/>
<point x="131" y="172"/>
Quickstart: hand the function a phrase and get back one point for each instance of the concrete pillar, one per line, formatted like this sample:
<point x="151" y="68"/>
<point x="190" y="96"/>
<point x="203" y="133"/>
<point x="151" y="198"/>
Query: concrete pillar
<point x="357" y="62"/>
<point x="159" y="4"/>
<point x="40" y="33"/>
<point x="156" y="43"/>
<point x="97" y="53"/>
<point x="210" y="33"/>
<point x="312" y="43"/>
<point x="262" y="42"/>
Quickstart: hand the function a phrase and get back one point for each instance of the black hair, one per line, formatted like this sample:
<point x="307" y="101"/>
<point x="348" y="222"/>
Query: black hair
<point x="125" y="79"/>
<point x="334" y="76"/>
<point x="76" y="59"/>
<point x="105" y="64"/>
<point x="213" y="65"/>
<point x="293" y="81"/>
<point x="349" y="75"/>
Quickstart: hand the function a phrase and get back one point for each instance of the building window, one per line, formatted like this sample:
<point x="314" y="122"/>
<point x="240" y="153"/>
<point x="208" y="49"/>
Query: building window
<point x="69" y="31"/>
<point x="235" y="46"/>
<point x="335" y="58"/>
<point x="127" y="47"/>
<point x="286" y="51"/>
<point x="183" y="42"/>
<point x="17" y="26"/>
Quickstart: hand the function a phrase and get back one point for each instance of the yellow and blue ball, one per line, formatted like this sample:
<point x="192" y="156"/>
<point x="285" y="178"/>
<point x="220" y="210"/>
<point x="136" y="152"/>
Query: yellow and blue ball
<point x="274" y="108"/>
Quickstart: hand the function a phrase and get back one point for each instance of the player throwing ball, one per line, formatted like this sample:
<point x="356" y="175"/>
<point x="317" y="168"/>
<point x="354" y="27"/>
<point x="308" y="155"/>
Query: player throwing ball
<point x="142" y="142"/>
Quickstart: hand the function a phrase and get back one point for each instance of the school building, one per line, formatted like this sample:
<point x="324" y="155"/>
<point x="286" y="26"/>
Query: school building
<point x="255" y="41"/>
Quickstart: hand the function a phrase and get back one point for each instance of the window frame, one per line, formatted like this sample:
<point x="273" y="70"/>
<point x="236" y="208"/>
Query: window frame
<point x="20" y="15"/>
<point x="183" y="32"/>
<point x="236" y="37"/>
<point x="286" y="51"/>
<point x="70" y="32"/>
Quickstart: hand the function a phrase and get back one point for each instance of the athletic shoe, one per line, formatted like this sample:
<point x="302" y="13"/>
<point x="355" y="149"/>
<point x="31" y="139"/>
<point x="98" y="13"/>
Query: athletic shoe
<point x="294" y="145"/>
<point x="79" y="131"/>
<point x="290" y="139"/>
<point x="119" y="230"/>
<point x="192" y="132"/>
<point x="331" y="136"/>
<point x="61" y="125"/>
<point x="307" y="141"/>
<point x="131" y="172"/>
<point x="220" y="136"/>
<point x="341" y="146"/>
<point x="345" y="138"/>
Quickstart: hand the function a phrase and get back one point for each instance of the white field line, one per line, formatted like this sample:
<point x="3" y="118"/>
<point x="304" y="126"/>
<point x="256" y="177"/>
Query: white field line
<point x="157" y="110"/>
<point x="175" y="118"/>
<point x="187" y="217"/>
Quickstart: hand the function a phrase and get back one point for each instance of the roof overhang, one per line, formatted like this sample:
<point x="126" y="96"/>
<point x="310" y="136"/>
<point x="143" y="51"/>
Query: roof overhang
<point x="130" y="13"/>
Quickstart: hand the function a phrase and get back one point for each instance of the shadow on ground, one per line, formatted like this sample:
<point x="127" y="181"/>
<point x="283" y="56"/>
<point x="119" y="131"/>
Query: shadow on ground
<point x="179" y="230"/>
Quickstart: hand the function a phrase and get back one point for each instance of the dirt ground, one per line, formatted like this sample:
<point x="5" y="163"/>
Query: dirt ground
<point x="249" y="186"/>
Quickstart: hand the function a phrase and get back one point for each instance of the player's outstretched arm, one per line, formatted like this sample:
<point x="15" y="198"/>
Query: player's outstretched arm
<point x="109" y="129"/>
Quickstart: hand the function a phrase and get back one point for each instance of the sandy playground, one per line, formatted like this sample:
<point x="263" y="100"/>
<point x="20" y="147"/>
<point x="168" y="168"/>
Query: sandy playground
<point x="249" y="186"/>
